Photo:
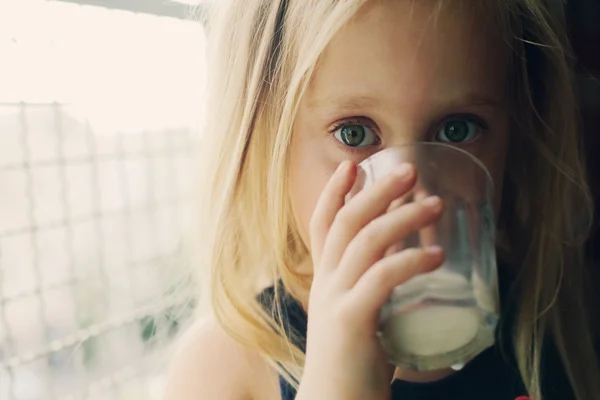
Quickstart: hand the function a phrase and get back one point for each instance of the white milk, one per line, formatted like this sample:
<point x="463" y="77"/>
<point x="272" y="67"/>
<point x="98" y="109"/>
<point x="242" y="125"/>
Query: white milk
<point x="433" y="330"/>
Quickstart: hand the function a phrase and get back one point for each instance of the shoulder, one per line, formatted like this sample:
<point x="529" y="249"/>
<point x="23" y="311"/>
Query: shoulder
<point x="208" y="364"/>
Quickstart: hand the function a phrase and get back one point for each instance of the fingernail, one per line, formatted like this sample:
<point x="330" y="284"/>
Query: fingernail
<point x="342" y="167"/>
<point x="434" y="250"/>
<point x="432" y="201"/>
<point x="404" y="171"/>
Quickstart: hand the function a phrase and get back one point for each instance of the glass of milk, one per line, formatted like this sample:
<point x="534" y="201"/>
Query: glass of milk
<point x="446" y="317"/>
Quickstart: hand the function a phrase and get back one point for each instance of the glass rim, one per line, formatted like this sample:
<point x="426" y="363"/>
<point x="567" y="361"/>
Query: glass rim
<point x="470" y="156"/>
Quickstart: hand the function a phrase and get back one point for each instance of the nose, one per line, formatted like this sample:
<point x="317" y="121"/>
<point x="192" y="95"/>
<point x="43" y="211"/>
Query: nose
<point x="406" y="129"/>
<point x="405" y="138"/>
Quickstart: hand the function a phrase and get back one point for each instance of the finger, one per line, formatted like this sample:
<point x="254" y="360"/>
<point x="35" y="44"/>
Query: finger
<point x="394" y="248"/>
<point x="370" y="244"/>
<point x="375" y="286"/>
<point x="362" y="209"/>
<point x="427" y="235"/>
<point x="398" y="246"/>
<point x="397" y="203"/>
<point x="328" y="205"/>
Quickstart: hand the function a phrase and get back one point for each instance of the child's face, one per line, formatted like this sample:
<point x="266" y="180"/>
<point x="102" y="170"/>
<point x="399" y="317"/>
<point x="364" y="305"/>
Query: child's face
<point x="396" y="75"/>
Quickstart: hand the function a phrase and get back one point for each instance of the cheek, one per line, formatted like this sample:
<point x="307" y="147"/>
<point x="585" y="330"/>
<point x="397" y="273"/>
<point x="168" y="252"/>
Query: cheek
<point x="310" y="170"/>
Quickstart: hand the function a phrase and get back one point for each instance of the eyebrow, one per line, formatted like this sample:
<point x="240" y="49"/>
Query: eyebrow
<point x="347" y="102"/>
<point x="343" y="102"/>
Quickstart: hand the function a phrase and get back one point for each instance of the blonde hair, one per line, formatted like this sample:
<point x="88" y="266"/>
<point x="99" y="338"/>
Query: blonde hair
<point x="263" y="55"/>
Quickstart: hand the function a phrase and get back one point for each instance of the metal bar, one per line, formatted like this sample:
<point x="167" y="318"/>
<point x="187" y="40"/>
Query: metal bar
<point x="8" y="347"/>
<point x="109" y="214"/>
<point x="151" y="262"/>
<point x="81" y="335"/>
<point x="88" y="160"/>
<point x="34" y="241"/>
<point x="160" y="8"/>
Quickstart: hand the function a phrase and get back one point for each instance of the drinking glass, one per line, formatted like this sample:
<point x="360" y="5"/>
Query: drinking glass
<point x="446" y="317"/>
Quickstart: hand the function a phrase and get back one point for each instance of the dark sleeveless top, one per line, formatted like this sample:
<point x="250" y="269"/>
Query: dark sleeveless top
<point x="493" y="375"/>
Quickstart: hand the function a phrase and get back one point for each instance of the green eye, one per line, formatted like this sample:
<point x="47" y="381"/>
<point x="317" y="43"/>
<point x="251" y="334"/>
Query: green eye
<point x="458" y="131"/>
<point x="353" y="135"/>
<point x="356" y="135"/>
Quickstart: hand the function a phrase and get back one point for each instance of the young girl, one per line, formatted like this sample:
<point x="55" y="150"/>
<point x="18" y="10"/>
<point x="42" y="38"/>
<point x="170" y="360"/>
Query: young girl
<point x="302" y="91"/>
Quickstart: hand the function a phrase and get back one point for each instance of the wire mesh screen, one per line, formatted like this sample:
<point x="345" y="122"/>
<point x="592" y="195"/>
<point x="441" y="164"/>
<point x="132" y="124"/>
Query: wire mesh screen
<point x="92" y="261"/>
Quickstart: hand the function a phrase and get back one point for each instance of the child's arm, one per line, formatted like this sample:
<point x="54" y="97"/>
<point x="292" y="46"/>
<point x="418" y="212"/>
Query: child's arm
<point x="208" y="365"/>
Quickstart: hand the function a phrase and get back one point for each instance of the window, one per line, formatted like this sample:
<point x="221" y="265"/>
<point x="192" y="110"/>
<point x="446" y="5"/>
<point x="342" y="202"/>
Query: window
<point x="100" y="111"/>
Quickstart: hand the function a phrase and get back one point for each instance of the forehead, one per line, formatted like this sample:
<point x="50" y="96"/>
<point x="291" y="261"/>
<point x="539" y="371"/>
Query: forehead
<point x="410" y="52"/>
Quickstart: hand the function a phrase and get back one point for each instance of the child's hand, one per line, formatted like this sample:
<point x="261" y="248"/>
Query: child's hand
<point x="353" y="280"/>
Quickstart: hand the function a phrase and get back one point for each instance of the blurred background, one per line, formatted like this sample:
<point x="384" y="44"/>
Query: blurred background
<point x="100" y="108"/>
<point x="101" y="113"/>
